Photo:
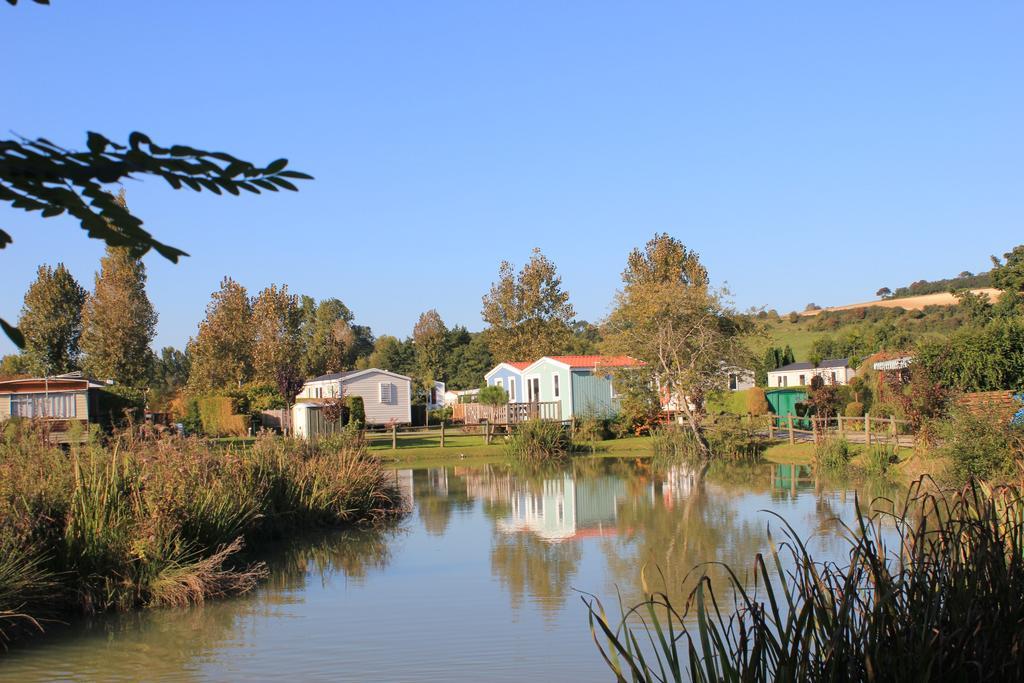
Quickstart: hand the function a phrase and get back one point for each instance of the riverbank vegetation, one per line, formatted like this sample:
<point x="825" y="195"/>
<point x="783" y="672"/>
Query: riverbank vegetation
<point x="167" y="521"/>
<point x="934" y="589"/>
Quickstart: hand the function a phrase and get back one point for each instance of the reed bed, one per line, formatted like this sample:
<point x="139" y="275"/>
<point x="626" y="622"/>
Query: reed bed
<point x="941" y="599"/>
<point x="137" y="522"/>
<point x="537" y="441"/>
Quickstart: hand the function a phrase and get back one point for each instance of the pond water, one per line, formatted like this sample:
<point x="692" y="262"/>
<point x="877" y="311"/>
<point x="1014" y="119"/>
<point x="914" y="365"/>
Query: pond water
<point x="479" y="582"/>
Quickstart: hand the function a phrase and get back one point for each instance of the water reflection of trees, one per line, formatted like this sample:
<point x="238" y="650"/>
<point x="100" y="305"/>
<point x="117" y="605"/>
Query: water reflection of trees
<point x="352" y="554"/>
<point x="168" y="643"/>
<point x="529" y="567"/>
<point x="437" y="494"/>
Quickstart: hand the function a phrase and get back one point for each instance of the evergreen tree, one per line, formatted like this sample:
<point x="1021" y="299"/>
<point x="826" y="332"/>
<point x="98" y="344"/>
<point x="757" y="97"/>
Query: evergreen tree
<point x="118" y="321"/>
<point x="528" y="314"/>
<point x="51" y="320"/>
<point x="221" y="352"/>
<point x="469" y="361"/>
<point x="393" y="355"/>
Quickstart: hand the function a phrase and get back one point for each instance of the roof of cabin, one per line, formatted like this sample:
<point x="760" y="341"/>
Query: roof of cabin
<point x="829" y="363"/>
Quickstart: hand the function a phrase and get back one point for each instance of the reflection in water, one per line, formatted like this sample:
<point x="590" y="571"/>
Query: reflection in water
<point x="482" y="575"/>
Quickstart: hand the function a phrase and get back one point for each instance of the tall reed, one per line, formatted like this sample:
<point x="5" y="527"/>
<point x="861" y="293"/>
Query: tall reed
<point x="163" y="521"/>
<point x="538" y="441"/>
<point x="944" y="600"/>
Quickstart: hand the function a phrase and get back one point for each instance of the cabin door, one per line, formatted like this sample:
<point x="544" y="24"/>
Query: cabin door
<point x="533" y="389"/>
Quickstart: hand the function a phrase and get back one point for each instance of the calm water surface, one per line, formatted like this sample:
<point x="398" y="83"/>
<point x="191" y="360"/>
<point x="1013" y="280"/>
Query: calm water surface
<point x="479" y="582"/>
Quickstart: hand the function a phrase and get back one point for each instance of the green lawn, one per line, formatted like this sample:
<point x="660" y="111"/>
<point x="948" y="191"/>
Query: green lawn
<point x="796" y="335"/>
<point x="426" y="448"/>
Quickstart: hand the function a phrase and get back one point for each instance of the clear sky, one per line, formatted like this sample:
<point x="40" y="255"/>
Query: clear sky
<point x="810" y="151"/>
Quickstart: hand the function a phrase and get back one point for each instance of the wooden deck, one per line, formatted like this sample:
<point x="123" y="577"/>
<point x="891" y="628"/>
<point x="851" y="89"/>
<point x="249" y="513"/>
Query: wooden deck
<point x="508" y="414"/>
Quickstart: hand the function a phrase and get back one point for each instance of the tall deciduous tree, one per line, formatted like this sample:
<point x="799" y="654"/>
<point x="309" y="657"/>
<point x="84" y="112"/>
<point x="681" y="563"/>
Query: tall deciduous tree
<point x="277" y="346"/>
<point x="669" y="316"/>
<point x="328" y="337"/>
<point x="430" y="336"/>
<point x="529" y="315"/>
<point x="118" y="321"/>
<point x="51" y="320"/>
<point x="221" y="352"/>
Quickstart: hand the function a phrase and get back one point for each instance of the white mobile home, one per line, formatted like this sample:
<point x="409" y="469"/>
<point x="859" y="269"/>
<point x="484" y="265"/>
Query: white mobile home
<point x="834" y="370"/>
<point x="387" y="396"/>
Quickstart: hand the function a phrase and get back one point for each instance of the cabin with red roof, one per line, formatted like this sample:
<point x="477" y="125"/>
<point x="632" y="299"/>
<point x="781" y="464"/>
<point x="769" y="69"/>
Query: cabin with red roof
<point x="582" y="386"/>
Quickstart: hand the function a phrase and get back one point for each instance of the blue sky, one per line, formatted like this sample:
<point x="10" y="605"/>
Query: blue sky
<point x="809" y="151"/>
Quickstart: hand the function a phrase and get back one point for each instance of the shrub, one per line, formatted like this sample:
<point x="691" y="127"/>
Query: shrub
<point x="833" y="453"/>
<point x="980" y="444"/>
<point x="733" y="439"/>
<point x="537" y="440"/>
<point x="493" y="396"/>
<point x="356" y="412"/>
<point x="854" y="409"/>
<point x="219" y="418"/>
<point x="591" y="429"/>
<point x="757" y="404"/>
<point x="878" y="459"/>
<point x="439" y="415"/>
<point x="192" y="421"/>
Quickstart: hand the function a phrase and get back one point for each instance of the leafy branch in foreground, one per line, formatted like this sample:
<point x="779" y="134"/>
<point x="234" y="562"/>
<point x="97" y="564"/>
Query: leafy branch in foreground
<point x="40" y="176"/>
<point x="946" y="603"/>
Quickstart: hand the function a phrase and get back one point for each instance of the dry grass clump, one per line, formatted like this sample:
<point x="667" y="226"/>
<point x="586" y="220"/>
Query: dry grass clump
<point x="162" y="522"/>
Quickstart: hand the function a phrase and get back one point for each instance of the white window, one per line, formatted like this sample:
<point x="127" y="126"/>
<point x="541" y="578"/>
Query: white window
<point x="387" y="394"/>
<point x="833" y="378"/>
<point x="554" y="385"/>
<point x="802" y="382"/>
<point x="499" y="383"/>
<point x="785" y="380"/>
<point x="512" y="389"/>
<point x="44" y="405"/>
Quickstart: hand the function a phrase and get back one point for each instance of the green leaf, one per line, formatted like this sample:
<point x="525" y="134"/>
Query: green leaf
<point x="97" y="143"/>
<point x="275" y="166"/>
<point x="13" y="333"/>
<point x="283" y="183"/>
<point x="298" y="175"/>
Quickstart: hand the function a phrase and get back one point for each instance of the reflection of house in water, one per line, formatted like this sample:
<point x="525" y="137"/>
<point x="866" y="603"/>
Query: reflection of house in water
<point x="676" y="484"/>
<point x="403" y="479"/>
<point x="565" y="508"/>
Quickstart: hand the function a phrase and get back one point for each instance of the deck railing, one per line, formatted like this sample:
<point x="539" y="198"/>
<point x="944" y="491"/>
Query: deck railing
<point x="510" y="413"/>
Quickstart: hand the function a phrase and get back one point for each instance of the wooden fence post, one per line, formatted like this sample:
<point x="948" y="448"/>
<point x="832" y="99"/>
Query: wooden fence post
<point x="840" y="427"/>
<point x="394" y="437"/>
<point x="442" y="433"/>
<point x="892" y="430"/>
<point x="867" y="429"/>
<point x="814" y="428"/>
<point x="792" y="438"/>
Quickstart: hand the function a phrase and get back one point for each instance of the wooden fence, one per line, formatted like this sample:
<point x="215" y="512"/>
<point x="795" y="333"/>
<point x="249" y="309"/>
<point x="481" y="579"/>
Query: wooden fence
<point x="866" y="430"/>
<point x="509" y="413"/>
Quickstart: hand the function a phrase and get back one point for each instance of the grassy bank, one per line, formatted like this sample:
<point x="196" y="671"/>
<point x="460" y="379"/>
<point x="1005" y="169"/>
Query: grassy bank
<point x="162" y="522"/>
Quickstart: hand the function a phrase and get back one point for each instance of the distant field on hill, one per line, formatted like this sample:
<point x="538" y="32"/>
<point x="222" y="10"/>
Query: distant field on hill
<point x="910" y="303"/>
